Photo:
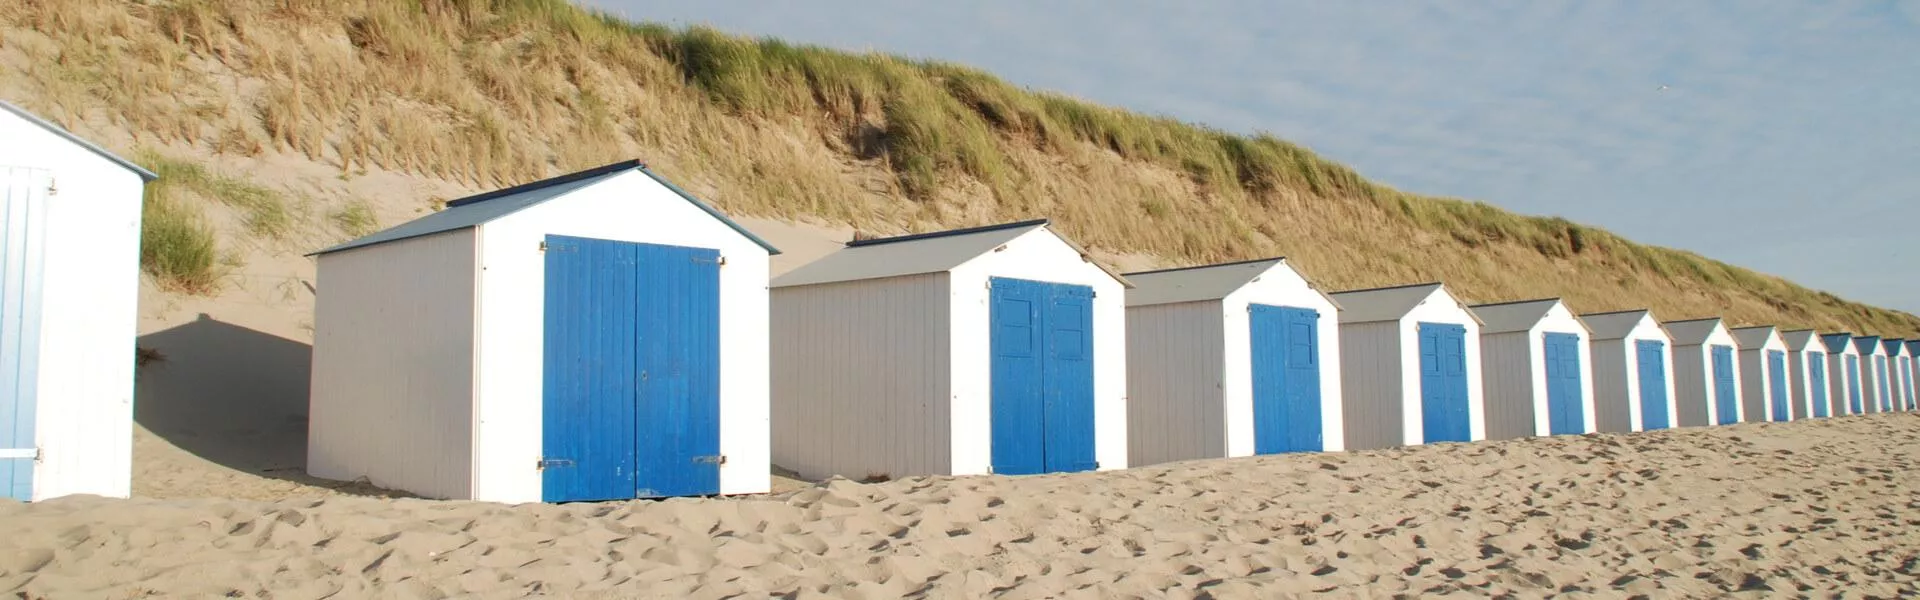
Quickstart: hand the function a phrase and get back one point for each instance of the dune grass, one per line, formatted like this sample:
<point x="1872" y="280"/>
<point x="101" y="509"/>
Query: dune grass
<point x="177" y="245"/>
<point x="495" y="92"/>
<point x="266" y="212"/>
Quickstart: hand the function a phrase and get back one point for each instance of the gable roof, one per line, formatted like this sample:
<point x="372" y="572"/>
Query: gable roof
<point x="1204" y="282"/>
<point x="920" y="253"/>
<point x="1518" y="315"/>
<point x="144" y="174"/>
<point x="1837" y="342"/>
<point x="1691" y="331"/>
<point x="478" y="209"/>
<point x="1388" y="303"/>
<point x="1616" y="324"/>
<point x="1753" y="337"/>
<point x="1913" y="347"/>
<point x="1867" y="344"/>
<point x="1894" y="346"/>
<point x="1799" y="339"/>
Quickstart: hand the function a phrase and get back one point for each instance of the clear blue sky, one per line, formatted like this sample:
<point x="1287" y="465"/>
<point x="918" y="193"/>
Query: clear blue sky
<point x="1787" y="138"/>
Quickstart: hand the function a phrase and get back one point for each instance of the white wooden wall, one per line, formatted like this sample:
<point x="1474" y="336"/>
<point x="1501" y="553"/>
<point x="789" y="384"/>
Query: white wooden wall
<point x="631" y="207"/>
<point x="392" y="390"/>
<point x="1373" y="373"/>
<point x="1800" y="362"/>
<point x="1872" y="365"/>
<point x="1038" y="256"/>
<point x="1175" y="401"/>
<point x="89" y="308"/>
<point x="860" y="378"/>
<point x="1839" y="386"/>
<point x="1756" y="383"/>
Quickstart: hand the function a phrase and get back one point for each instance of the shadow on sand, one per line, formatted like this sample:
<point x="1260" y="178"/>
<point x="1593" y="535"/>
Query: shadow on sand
<point x="233" y="396"/>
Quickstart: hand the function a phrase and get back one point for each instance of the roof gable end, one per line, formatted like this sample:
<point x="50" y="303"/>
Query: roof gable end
<point x="145" y="175"/>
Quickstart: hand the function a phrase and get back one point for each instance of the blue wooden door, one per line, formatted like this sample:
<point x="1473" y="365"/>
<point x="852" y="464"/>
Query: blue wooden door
<point x="22" y="241"/>
<point x="1286" y="379"/>
<point x="1854" y="404"/>
<point x="1042" y="390"/>
<point x="1565" y="412"/>
<point x="1880" y="382"/>
<point x="1906" y="378"/>
<point x="1652" y="355"/>
<point x="1726" y="402"/>
<point x="631" y="382"/>
<point x="1817" y="377"/>
<point x="1777" y="385"/>
<point x="1443" y="383"/>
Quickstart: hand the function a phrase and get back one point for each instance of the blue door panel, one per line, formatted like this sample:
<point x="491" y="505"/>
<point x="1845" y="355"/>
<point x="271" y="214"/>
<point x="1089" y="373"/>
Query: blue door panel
<point x="632" y="381"/>
<point x="1041" y="336"/>
<point x="1443" y="383"/>
<point x="1906" y="375"/>
<point x="677" y="420"/>
<point x="587" y="436"/>
<point x="1726" y="401"/>
<point x="1286" y="379"/>
<point x="1565" y="412"/>
<point x="22" y="242"/>
<point x="1817" y="377"/>
<point x="1653" y="384"/>
<point x="1880" y="381"/>
<point x="1854" y="403"/>
<point x="1777" y="385"/>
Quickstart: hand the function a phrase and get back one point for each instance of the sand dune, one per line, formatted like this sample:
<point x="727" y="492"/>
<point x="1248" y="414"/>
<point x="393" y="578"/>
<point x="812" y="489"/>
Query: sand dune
<point x="1813" y="507"/>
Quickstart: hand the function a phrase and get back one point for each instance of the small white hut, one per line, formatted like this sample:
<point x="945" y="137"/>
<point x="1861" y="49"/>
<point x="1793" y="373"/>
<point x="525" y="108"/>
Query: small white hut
<point x="1899" y="373"/>
<point x="997" y="349"/>
<point x="1229" y="360"/>
<point x="1410" y="367"/>
<point x="1763" y="374"/>
<point x="69" y="295"/>
<point x="1632" y="367"/>
<point x="1705" y="372"/>
<point x="1536" y="368"/>
<point x="1913" y="386"/>
<point x="1846" y="385"/>
<point x="1873" y="373"/>
<point x="1807" y="374"/>
<point x="596" y="336"/>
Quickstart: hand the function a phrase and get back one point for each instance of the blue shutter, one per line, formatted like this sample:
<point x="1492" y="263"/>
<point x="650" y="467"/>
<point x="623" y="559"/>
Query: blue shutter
<point x="1777" y="385"/>
<point x="1565" y="412"/>
<point x="677" y="420"/>
<point x="1285" y="347"/>
<point x="1726" y="402"/>
<point x="1880" y="383"/>
<point x="1069" y="379"/>
<point x="1817" y="377"/>
<point x="23" y="208"/>
<point x="1854" y="404"/>
<point x="1443" y="383"/>
<point x="1653" y="385"/>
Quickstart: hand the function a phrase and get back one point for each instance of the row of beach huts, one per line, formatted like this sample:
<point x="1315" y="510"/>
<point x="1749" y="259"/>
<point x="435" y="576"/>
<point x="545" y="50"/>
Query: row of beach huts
<point x="605" y="335"/>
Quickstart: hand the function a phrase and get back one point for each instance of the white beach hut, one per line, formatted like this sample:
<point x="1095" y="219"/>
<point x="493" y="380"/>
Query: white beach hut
<point x="1763" y="374"/>
<point x="1873" y="373"/>
<point x="69" y="295"/>
<point x="1632" y="371"/>
<point x="1410" y="367"/>
<point x="1705" y="372"/>
<point x="1537" y="369"/>
<point x="995" y="349"/>
<point x="1899" y="373"/>
<point x="1807" y="374"/>
<point x="1845" y="385"/>
<point x="1913" y="386"/>
<point x="595" y="336"/>
<point x="1227" y="360"/>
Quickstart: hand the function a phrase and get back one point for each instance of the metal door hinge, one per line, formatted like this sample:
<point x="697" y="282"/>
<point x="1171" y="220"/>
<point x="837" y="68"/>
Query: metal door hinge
<point x="53" y="187"/>
<point x="33" y="453"/>
<point x="553" y="462"/>
<point x="721" y="260"/>
<point x="543" y="245"/>
<point x="720" y="459"/>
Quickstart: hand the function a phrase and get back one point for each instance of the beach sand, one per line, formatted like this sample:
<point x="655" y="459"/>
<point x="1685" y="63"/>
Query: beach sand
<point x="1823" y="507"/>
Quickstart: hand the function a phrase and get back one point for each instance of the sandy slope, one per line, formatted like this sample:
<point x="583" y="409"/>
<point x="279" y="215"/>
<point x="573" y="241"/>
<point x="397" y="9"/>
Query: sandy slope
<point x="1760" y="510"/>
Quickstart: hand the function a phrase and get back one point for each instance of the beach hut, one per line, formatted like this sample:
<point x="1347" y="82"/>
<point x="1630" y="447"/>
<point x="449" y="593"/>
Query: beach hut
<point x="595" y="336"/>
<point x="1229" y="360"/>
<point x="1763" y="374"/>
<point x="1410" y="367"/>
<point x="1873" y="373"/>
<point x="997" y="349"/>
<point x="1535" y="366"/>
<point x="1846" y="383"/>
<point x="1705" y="372"/>
<point x="69" y="295"/>
<point x="1899" y="373"/>
<point x="1807" y="374"/>
<point x="1632" y="371"/>
<point x="1913" y="387"/>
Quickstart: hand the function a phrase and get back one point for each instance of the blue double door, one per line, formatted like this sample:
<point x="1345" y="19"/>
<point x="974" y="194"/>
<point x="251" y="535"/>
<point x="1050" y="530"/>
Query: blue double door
<point x="1854" y="403"/>
<point x="1883" y="402"/>
<point x="1285" y="345"/>
<point x="1042" y="389"/>
<point x="1651" y="357"/>
<point x="1443" y="383"/>
<point x="1777" y="385"/>
<point x="1817" y="379"/>
<point x="1726" y="400"/>
<point x="1566" y="389"/>
<point x="631" y="399"/>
